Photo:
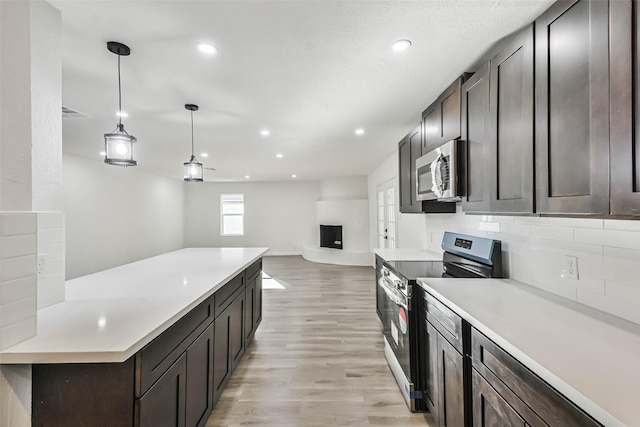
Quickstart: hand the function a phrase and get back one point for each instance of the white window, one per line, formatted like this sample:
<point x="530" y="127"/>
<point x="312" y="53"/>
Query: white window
<point x="232" y="214"/>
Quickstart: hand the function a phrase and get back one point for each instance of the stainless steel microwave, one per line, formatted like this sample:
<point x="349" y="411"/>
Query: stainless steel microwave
<point x="437" y="173"/>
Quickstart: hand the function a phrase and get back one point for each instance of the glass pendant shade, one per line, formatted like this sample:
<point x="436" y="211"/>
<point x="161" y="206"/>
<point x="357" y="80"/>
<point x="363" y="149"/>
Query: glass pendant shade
<point x="118" y="148"/>
<point x="118" y="145"/>
<point x="193" y="171"/>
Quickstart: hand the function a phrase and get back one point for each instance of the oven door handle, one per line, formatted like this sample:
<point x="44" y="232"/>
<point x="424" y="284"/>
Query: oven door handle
<point x="392" y="293"/>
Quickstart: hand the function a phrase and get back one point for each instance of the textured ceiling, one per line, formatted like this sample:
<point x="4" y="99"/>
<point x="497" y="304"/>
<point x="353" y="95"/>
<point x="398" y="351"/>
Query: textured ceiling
<point x="309" y="71"/>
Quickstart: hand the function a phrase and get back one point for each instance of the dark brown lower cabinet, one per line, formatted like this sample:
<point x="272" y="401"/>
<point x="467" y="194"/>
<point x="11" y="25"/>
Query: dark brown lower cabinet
<point x="451" y="372"/>
<point x="483" y="385"/>
<point x="174" y="381"/>
<point x="379" y="291"/>
<point x="236" y="330"/>
<point x="221" y="355"/>
<point x="249" y="300"/>
<point x="163" y="405"/>
<point x="444" y="380"/>
<point x="257" y="303"/>
<point x="229" y="343"/>
<point x="183" y="396"/>
<point x="505" y="392"/>
<point x="79" y="394"/>
<point x="253" y="308"/>
<point x="489" y="408"/>
<point x="431" y="370"/>
<point x="199" y="387"/>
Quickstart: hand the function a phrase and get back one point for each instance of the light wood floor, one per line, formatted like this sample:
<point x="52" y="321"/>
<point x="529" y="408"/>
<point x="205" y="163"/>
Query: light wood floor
<point x="317" y="359"/>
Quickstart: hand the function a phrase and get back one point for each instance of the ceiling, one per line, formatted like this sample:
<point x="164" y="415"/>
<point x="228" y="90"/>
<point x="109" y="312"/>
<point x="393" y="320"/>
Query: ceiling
<point x="310" y="72"/>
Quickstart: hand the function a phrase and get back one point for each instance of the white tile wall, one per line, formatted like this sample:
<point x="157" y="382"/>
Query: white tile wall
<point x="50" y="241"/>
<point x="18" y="291"/>
<point x="608" y="253"/>
<point x="23" y="236"/>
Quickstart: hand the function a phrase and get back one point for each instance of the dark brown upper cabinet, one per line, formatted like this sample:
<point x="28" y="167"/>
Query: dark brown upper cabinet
<point x="441" y="120"/>
<point x="475" y="132"/>
<point x="409" y="149"/>
<point x="431" y="127"/>
<point x="510" y="150"/>
<point x="625" y="107"/>
<point x="572" y="108"/>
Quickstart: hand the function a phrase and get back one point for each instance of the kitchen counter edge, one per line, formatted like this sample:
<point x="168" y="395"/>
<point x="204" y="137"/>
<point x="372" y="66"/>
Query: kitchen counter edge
<point x="17" y="355"/>
<point x="588" y="405"/>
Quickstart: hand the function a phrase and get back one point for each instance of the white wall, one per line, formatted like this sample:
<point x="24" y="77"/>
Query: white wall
<point x="46" y="100"/>
<point x="117" y="215"/>
<point x="410" y="231"/>
<point x="352" y="216"/>
<point x="345" y="188"/>
<point x="278" y="215"/>
<point x="344" y="202"/>
<point x="15" y="106"/>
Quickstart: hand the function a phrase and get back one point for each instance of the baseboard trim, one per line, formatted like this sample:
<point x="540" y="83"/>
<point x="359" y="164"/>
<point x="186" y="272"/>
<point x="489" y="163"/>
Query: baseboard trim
<point x="270" y="253"/>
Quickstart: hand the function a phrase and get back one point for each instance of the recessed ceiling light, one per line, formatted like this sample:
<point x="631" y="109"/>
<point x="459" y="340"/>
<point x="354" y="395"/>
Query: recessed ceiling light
<point x="293" y="176"/>
<point x="121" y="114"/>
<point x="279" y="155"/>
<point x="264" y="132"/>
<point x="359" y="131"/>
<point x="247" y="177"/>
<point x="401" y="45"/>
<point x="207" y="48"/>
<point x="205" y="155"/>
<point x="102" y="153"/>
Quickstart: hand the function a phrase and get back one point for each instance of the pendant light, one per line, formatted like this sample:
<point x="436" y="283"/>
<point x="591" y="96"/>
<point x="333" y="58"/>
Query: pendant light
<point x="118" y="145"/>
<point x="193" y="168"/>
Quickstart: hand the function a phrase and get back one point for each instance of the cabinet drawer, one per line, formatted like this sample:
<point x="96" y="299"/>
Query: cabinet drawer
<point x="157" y="356"/>
<point x="253" y="269"/>
<point x="448" y="323"/>
<point x="226" y="294"/>
<point x="165" y="403"/>
<point x="531" y="396"/>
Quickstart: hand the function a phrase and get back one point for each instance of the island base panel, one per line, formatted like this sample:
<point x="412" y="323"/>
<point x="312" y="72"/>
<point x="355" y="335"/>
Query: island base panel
<point x="62" y="394"/>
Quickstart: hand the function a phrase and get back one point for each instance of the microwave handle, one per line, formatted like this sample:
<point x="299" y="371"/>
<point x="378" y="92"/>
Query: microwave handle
<point x="436" y="176"/>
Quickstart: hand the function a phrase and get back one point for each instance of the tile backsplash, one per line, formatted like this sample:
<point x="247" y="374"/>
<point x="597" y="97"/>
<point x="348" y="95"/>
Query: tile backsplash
<point x="18" y="284"/>
<point x="50" y="243"/>
<point x="608" y="254"/>
<point x="24" y="236"/>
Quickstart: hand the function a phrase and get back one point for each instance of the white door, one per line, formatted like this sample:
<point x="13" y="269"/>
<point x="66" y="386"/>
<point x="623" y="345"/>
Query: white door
<point x="386" y="197"/>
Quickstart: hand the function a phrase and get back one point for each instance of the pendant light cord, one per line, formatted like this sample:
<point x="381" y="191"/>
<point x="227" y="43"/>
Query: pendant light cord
<point x="192" y="133"/>
<point x="119" y="97"/>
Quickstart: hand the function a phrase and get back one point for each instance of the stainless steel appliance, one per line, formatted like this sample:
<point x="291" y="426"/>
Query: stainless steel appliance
<point x="464" y="256"/>
<point x="437" y="173"/>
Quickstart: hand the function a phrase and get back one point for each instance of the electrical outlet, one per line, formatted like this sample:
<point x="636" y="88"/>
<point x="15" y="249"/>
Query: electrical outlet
<point x="42" y="265"/>
<point x="570" y="268"/>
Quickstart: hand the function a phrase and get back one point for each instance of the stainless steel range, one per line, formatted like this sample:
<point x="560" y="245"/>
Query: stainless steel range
<point x="464" y="257"/>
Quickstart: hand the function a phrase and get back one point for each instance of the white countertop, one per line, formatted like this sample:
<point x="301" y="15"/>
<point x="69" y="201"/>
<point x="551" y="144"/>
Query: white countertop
<point x="406" y="254"/>
<point x="589" y="356"/>
<point x="110" y="315"/>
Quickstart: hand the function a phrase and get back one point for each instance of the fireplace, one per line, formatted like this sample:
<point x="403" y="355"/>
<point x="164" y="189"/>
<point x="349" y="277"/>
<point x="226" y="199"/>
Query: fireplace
<point x="331" y="236"/>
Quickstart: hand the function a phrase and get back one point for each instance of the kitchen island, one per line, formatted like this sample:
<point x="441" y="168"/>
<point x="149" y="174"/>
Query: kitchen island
<point x="535" y="351"/>
<point x="152" y="343"/>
